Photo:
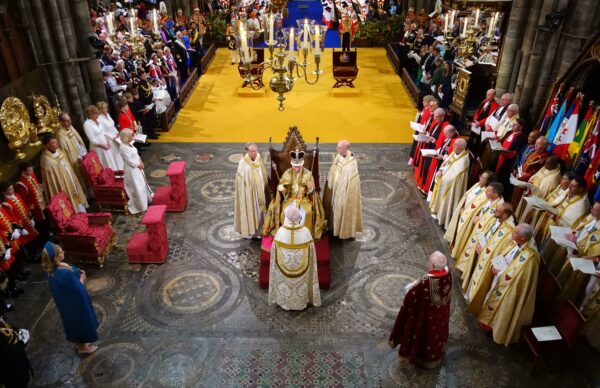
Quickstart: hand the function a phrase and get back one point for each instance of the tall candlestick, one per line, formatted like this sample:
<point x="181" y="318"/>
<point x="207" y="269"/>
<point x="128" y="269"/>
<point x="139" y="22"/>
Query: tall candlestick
<point x="445" y="23"/>
<point x="477" y="18"/>
<point x="465" y="26"/>
<point x="317" y="40"/>
<point x="109" y="23"/>
<point x="291" y="47"/>
<point x="244" y="42"/>
<point x="491" y="26"/>
<point x="155" y="21"/>
<point x="271" y="28"/>
<point x="452" y="15"/>
<point x="132" y="25"/>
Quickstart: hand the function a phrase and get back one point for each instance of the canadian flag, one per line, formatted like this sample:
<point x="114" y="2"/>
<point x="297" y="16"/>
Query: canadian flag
<point x="567" y="130"/>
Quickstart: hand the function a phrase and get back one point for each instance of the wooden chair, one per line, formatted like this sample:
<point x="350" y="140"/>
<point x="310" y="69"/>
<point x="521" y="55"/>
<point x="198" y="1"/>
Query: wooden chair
<point x="256" y="69"/>
<point x="547" y="290"/>
<point x="568" y="322"/>
<point x="345" y="68"/>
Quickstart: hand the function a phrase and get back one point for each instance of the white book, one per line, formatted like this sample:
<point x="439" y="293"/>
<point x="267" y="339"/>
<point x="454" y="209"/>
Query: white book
<point x="492" y="121"/>
<point x="429" y="153"/>
<point x="140" y="138"/>
<point x="417" y="127"/>
<point x="421" y="138"/>
<point x="475" y="129"/>
<point x="517" y="183"/>
<point x="584" y="265"/>
<point x="539" y="203"/>
<point x="557" y="233"/>
<point x="546" y="333"/>
<point x="500" y="262"/>
<point x="487" y="135"/>
<point x="497" y="146"/>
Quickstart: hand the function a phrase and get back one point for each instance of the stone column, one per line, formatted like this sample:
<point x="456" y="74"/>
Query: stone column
<point x="528" y="41"/>
<point x="512" y="42"/>
<point x="81" y="23"/>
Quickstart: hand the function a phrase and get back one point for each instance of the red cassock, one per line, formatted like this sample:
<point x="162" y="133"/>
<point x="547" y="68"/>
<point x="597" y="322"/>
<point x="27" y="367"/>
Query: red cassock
<point x="415" y="152"/>
<point x="533" y="163"/>
<point x="18" y="211"/>
<point x="126" y="120"/>
<point x="424" y="120"/>
<point x="444" y="149"/>
<point x="421" y="327"/>
<point x="422" y="171"/>
<point x="28" y="188"/>
<point x="511" y="142"/>
<point x="6" y="230"/>
<point x="484" y="111"/>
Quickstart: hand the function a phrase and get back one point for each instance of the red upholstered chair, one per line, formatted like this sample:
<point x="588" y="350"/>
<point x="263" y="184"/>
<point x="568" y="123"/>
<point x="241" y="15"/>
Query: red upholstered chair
<point x="107" y="184"/>
<point x="84" y="235"/>
<point x="547" y="290"/>
<point x="345" y="68"/>
<point x="152" y="245"/>
<point x="568" y="322"/>
<point x="174" y="196"/>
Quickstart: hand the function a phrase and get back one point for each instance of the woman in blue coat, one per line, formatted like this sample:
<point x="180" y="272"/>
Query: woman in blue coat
<point x="72" y="300"/>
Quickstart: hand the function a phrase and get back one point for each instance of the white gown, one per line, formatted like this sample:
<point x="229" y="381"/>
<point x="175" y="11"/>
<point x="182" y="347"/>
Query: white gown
<point x="96" y="136"/>
<point x="134" y="179"/>
<point x="163" y="99"/>
<point x="110" y="131"/>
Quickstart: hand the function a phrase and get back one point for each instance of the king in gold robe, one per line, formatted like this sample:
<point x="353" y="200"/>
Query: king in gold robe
<point x="293" y="278"/>
<point x="450" y="184"/>
<point x="511" y="300"/>
<point x="296" y="188"/>
<point x="341" y="198"/>
<point x="58" y="175"/>
<point x="250" y="194"/>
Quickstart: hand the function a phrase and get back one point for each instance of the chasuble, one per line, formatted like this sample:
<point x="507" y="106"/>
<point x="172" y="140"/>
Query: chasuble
<point x="475" y="193"/>
<point x="250" y="196"/>
<point x="449" y="187"/>
<point x="58" y="175"/>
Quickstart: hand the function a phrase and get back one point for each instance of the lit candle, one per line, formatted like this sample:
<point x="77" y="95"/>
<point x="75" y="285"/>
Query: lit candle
<point x="317" y="40"/>
<point x="477" y="18"/>
<point x="446" y="23"/>
<point x="132" y="25"/>
<point x="305" y="33"/>
<point x="155" y="21"/>
<point x="271" y="28"/>
<point x="465" y="27"/>
<point x="244" y="42"/>
<point x="452" y="20"/>
<point x="491" y="26"/>
<point x="109" y="23"/>
<point x="291" y="46"/>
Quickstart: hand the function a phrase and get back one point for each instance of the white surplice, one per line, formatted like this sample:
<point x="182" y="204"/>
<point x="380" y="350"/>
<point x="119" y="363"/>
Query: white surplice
<point x="110" y="132"/>
<point x="134" y="179"/>
<point x="109" y="158"/>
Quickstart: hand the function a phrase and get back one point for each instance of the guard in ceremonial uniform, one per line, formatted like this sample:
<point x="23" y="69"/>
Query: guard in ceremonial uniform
<point x="147" y="116"/>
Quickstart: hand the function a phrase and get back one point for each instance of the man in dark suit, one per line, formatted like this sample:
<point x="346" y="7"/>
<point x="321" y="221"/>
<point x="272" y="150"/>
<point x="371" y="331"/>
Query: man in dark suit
<point x="181" y="57"/>
<point x="146" y="116"/>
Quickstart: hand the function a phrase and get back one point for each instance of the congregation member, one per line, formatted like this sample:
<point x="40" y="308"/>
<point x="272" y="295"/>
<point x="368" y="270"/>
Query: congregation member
<point x="103" y="145"/>
<point x="450" y="184"/>
<point x="487" y="107"/>
<point x="444" y="147"/>
<point x="477" y="216"/>
<point x="434" y="135"/>
<point x="341" y="198"/>
<point x="293" y="279"/>
<point x="552" y="187"/>
<point x="510" y="301"/>
<point x="134" y="179"/>
<point x="67" y="285"/>
<point x="512" y="143"/>
<point x="422" y="325"/>
<point x="425" y="118"/>
<point x="71" y="143"/>
<point x="469" y="204"/>
<point x="144" y="104"/>
<point x="58" y="175"/>
<point x="110" y="132"/>
<point x="484" y="244"/>
<point x="251" y="193"/>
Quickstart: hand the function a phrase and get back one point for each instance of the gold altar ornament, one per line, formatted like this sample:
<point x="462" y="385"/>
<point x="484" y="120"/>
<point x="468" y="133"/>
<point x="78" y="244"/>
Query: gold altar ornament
<point x="45" y="114"/>
<point x="17" y="127"/>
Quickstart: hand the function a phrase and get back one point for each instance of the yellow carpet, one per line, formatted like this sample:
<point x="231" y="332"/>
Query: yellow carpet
<point x="381" y="113"/>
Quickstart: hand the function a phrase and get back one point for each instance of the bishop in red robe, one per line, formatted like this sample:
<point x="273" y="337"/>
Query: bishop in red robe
<point x="421" y="327"/>
<point x="424" y="118"/>
<point x="436" y="138"/>
<point x="484" y="110"/>
<point x="446" y="147"/>
<point x="532" y="164"/>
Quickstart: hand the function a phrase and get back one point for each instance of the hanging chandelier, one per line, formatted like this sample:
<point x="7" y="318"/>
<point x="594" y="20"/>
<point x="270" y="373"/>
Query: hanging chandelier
<point x="284" y="62"/>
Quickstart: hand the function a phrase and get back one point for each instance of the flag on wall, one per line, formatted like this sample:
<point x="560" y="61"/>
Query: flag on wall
<point x="567" y="129"/>
<point x="590" y="152"/>
<point x="552" y="109"/>
<point x="582" y="132"/>
<point x="558" y="119"/>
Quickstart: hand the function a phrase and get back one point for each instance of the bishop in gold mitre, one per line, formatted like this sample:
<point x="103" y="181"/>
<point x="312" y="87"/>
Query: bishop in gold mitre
<point x="250" y="193"/>
<point x="341" y="198"/>
<point x="296" y="188"/>
<point x="72" y="145"/>
<point x="58" y="175"/>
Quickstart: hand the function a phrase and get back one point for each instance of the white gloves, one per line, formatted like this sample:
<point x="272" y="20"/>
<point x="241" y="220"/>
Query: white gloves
<point x="280" y="188"/>
<point x="7" y="254"/>
<point x="24" y="335"/>
<point x="15" y="234"/>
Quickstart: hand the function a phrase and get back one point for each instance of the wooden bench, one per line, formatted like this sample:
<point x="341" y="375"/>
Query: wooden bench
<point x="411" y="88"/>
<point x="207" y="58"/>
<point x="391" y="50"/>
<point x="185" y="92"/>
<point x="167" y="118"/>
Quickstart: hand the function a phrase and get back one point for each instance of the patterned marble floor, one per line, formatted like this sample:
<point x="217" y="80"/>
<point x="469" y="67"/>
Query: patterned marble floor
<point x="200" y="319"/>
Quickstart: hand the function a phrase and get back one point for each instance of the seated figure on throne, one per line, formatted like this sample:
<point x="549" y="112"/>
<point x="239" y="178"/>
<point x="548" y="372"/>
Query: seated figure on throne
<point x="296" y="188"/>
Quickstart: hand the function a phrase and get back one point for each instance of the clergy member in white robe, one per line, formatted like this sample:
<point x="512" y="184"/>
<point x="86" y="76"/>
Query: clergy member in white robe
<point x="134" y="179"/>
<point x="98" y="140"/>
<point x="293" y="279"/>
<point x="110" y="131"/>
<point x="250" y="193"/>
<point x="450" y="183"/>
<point x="341" y="199"/>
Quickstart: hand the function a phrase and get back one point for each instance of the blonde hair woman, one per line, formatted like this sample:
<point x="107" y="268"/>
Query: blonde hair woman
<point x="104" y="145"/>
<point x="66" y="283"/>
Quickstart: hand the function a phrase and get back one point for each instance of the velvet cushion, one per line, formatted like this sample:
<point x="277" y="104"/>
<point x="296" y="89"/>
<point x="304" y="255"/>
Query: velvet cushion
<point x="78" y="223"/>
<point x="105" y="177"/>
